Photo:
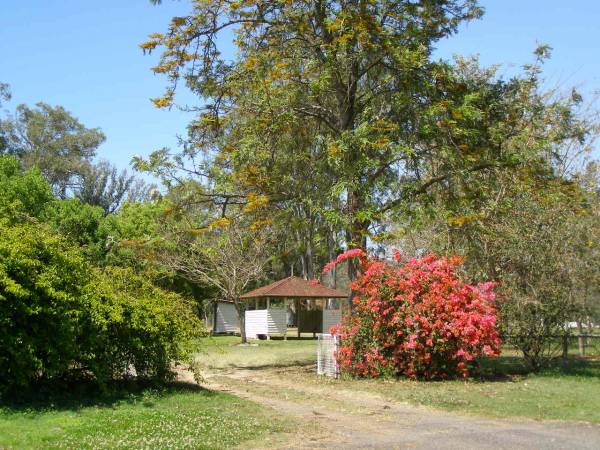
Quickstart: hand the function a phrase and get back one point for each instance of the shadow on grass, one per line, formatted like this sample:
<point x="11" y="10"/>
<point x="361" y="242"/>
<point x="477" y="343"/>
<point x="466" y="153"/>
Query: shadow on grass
<point x="507" y="368"/>
<point x="75" y="395"/>
<point x="286" y="365"/>
<point x="291" y="338"/>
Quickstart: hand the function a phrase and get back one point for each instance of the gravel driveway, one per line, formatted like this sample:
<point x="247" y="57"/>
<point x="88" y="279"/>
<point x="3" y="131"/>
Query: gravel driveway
<point x="330" y="417"/>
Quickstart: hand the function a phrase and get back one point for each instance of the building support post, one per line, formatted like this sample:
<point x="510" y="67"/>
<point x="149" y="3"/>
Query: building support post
<point x="298" y="315"/>
<point x="215" y="312"/>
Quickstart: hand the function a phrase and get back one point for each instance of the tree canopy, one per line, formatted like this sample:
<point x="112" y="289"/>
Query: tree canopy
<point x="338" y="113"/>
<point x="51" y="139"/>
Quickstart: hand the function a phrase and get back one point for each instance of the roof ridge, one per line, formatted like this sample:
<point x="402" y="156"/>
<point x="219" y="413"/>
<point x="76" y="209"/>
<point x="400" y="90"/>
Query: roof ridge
<point x="276" y="284"/>
<point x="297" y="287"/>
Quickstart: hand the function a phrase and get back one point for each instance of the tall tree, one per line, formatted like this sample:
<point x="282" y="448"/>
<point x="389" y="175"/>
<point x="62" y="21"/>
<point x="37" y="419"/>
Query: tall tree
<point x="4" y="93"/>
<point x="357" y="73"/>
<point x="4" y="97"/>
<point x="51" y="139"/>
<point x="225" y="256"/>
<point x="102" y="185"/>
<point x="345" y="95"/>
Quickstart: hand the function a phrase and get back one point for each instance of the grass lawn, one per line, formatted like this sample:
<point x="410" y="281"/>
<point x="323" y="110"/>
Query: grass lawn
<point x="571" y="394"/>
<point x="222" y="352"/>
<point x="505" y="389"/>
<point x="176" y="416"/>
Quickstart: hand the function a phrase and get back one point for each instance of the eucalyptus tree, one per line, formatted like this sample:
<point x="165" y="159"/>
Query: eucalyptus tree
<point x="341" y="107"/>
<point x="4" y="93"/>
<point x="50" y="138"/>
<point x="354" y="75"/>
<point x="5" y="96"/>
<point x="101" y="184"/>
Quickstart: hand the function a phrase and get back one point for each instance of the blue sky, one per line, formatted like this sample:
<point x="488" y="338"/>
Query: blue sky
<point x="84" y="56"/>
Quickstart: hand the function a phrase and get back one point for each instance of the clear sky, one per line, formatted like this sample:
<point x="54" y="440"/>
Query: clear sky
<point x="84" y="55"/>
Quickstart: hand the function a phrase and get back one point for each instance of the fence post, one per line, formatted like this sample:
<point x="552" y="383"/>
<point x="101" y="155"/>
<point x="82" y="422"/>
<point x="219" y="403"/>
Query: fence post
<point x="565" y="349"/>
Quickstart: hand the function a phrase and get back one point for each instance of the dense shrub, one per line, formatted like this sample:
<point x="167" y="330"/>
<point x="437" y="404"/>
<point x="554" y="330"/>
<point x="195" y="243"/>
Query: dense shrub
<point x="417" y="319"/>
<point x="135" y="325"/>
<point x="41" y="281"/>
<point x="58" y="315"/>
<point x="77" y="221"/>
<point x="22" y="193"/>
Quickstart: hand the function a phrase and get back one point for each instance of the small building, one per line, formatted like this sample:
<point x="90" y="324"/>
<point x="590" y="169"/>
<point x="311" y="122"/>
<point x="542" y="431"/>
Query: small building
<point x="225" y="318"/>
<point x="311" y="307"/>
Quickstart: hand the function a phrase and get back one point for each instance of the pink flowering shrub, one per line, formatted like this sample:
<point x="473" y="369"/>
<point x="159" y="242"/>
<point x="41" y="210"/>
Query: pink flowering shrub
<point x="417" y="319"/>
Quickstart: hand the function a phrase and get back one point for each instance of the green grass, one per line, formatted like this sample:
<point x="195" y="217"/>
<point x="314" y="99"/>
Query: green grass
<point x="182" y="415"/>
<point x="175" y="416"/>
<point x="592" y="347"/>
<point x="556" y="393"/>
<point x="504" y="388"/>
<point x="223" y="352"/>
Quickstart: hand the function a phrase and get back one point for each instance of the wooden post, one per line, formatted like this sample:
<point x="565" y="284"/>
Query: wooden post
<point x="215" y="312"/>
<point x="298" y="315"/>
<point x="285" y="301"/>
<point x="268" y="307"/>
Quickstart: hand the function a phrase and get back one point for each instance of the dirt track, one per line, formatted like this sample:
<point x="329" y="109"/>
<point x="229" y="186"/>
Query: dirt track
<point x="330" y="417"/>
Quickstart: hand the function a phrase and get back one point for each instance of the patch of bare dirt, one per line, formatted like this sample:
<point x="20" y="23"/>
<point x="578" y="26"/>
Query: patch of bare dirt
<point x="335" y="418"/>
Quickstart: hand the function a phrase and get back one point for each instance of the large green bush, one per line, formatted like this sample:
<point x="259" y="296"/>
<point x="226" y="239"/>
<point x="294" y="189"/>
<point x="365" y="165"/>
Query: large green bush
<point x="41" y="281"/>
<point x="77" y="221"/>
<point x="59" y="315"/>
<point x="22" y="193"/>
<point x="136" y="325"/>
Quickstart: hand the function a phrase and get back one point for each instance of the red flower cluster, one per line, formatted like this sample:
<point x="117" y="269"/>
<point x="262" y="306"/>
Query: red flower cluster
<point x="416" y="319"/>
<point x="354" y="253"/>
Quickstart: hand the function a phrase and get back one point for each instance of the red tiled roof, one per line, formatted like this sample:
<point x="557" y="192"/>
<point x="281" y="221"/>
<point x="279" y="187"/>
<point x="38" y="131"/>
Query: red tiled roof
<point x="295" y="287"/>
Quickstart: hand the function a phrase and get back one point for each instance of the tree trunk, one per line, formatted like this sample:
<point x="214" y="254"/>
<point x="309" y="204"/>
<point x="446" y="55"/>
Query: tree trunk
<point x="356" y="237"/>
<point x="242" y="319"/>
<point x="303" y="264"/>
<point x="215" y="309"/>
<point x="331" y="248"/>
<point x="581" y="339"/>
<point x="310" y="274"/>
<point x="565" y="349"/>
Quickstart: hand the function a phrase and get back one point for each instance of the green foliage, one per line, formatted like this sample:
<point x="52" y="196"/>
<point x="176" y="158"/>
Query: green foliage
<point x="41" y="286"/>
<point x="534" y="262"/>
<point x="339" y="117"/>
<point x="535" y="233"/>
<point x="136" y="325"/>
<point x="22" y="193"/>
<point x="102" y="185"/>
<point x="54" y="141"/>
<point x="130" y="231"/>
<point x="320" y="92"/>
<point x="79" y="222"/>
<point x="227" y="259"/>
<point x="59" y="315"/>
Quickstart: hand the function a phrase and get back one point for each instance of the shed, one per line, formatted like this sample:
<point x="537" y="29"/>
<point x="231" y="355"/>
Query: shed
<point x="292" y="301"/>
<point x="225" y="318"/>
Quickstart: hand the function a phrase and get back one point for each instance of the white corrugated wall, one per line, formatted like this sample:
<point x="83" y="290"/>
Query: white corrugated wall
<point x="265" y="321"/>
<point x="277" y="320"/>
<point x="331" y="317"/>
<point x="256" y="323"/>
<point x="227" y="318"/>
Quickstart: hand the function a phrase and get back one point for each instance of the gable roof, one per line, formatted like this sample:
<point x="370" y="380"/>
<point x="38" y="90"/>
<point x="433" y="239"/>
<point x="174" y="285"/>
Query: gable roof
<point x="295" y="287"/>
